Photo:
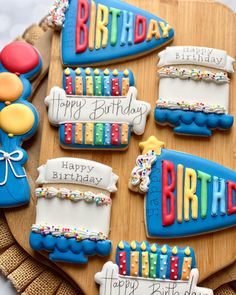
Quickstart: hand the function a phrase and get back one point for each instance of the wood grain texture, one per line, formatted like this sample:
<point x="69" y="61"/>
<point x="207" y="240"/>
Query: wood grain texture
<point x="202" y="23"/>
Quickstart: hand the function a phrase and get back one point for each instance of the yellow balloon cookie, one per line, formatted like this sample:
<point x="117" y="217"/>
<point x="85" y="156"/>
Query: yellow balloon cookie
<point x="11" y="87"/>
<point x="16" y="119"/>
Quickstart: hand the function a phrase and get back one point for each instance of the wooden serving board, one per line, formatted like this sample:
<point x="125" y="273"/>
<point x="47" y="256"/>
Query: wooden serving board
<point x="202" y="23"/>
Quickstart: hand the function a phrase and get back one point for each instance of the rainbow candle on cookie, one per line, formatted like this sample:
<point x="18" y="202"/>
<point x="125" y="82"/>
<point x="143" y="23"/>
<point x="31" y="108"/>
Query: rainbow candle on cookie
<point x="89" y="82"/>
<point x="106" y="31"/>
<point x="80" y="190"/>
<point x="20" y="62"/>
<point x="143" y="268"/>
<point x="185" y="195"/>
<point x="194" y="89"/>
<point x="97" y="109"/>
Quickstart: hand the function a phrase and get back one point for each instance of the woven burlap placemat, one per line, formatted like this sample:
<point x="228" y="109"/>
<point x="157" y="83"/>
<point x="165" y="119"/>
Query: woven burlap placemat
<point x="28" y="276"/>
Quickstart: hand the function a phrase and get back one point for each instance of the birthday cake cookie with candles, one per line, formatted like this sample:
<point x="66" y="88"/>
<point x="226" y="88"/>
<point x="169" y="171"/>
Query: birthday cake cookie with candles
<point x="194" y="89"/>
<point x="73" y="209"/>
<point x="185" y="195"/>
<point x="19" y="63"/>
<point x="145" y="269"/>
<point x="106" y="31"/>
<point x="97" y="109"/>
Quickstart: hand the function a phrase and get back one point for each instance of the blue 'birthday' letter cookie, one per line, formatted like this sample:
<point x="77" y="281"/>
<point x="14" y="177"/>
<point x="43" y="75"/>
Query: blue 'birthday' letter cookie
<point x="105" y="31"/>
<point x="185" y="195"/>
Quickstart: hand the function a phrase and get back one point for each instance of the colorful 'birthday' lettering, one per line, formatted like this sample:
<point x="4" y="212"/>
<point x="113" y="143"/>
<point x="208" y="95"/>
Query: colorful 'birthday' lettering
<point x="97" y="31"/>
<point x="194" y="195"/>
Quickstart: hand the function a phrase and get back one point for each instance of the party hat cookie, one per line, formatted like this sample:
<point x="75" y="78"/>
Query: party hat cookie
<point x="185" y="195"/>
<point x="106" y="31"/>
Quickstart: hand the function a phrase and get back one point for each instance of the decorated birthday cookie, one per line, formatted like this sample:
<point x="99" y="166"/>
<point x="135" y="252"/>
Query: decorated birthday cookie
<point x="18" y="119"/>
<point x="106" y="31"/>
<point x="73" y="209"/>
<point x="89" y="82"/>
<point x="97" y="109"/>
<point x="194" y="89"/>
<point x="143" y="268"/>
<point x="185" y="195"/>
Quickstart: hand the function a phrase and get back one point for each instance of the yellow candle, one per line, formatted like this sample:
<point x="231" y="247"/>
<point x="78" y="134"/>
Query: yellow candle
<point x="79" y="133"/>
<point x="134" y="263"/>
<point x="89" y="133"/>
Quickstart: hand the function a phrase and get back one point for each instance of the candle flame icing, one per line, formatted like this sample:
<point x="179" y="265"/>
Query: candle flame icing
<point x="164" y="249"/>
<point x="143" y="246"/>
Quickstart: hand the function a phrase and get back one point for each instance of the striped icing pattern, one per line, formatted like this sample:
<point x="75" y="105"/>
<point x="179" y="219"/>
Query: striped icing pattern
<point x="115" y="87"/>
<point x="79" y="133"/>
<point x="78" y="86"/>
<point x="68" y="133"/>
<point x="154" y="261"/>
<point x="89" y="86"/>
<point x="89" y="131"/>
<point x="95" y="134"/>
<point x="125" y="86"/>
<point x="96" y="82"/>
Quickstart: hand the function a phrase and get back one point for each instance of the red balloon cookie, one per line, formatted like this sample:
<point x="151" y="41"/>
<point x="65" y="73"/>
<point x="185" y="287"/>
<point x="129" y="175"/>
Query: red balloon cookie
<point x="19" y="57"/>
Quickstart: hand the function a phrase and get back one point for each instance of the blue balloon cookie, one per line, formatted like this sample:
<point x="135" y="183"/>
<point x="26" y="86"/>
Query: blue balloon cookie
<point x="18" y="119"/>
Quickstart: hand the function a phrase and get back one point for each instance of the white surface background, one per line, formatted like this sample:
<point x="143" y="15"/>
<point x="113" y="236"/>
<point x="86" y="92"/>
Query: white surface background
<point x="15" y="17"/>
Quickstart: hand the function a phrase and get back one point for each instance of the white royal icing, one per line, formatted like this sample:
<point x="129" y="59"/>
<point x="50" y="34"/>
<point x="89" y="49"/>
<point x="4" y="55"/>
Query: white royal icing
<point x="73" y="195"/>
<point x="58" y="231"/>
<point x="194" y="92"/>
<point x="61" y="213"/>
<point x="117" y="109"/>
<point x="187" y="106"/>
<point x="78" y="171"/>
<point x="195" y="55"/>
<point x="9" y="159"/>
<point x="112" y="283"/>
<point x="56" y="15"/>
<point x="194" y="74"/>
<point x="140" y="174"/>
<point x="75" y="210"/>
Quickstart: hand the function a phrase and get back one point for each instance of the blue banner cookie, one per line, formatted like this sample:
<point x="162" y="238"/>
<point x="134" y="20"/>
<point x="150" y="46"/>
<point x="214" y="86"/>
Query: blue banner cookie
<point x="185" y="195"/>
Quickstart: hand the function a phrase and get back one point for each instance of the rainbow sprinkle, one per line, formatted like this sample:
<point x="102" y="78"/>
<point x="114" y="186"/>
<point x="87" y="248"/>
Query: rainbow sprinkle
<point x="68" y="233"/>
<point x="184" y="105"/>
<point x="73" y="195"/>
<point x="57" y="12"/>
<point x="193" y="74"/>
